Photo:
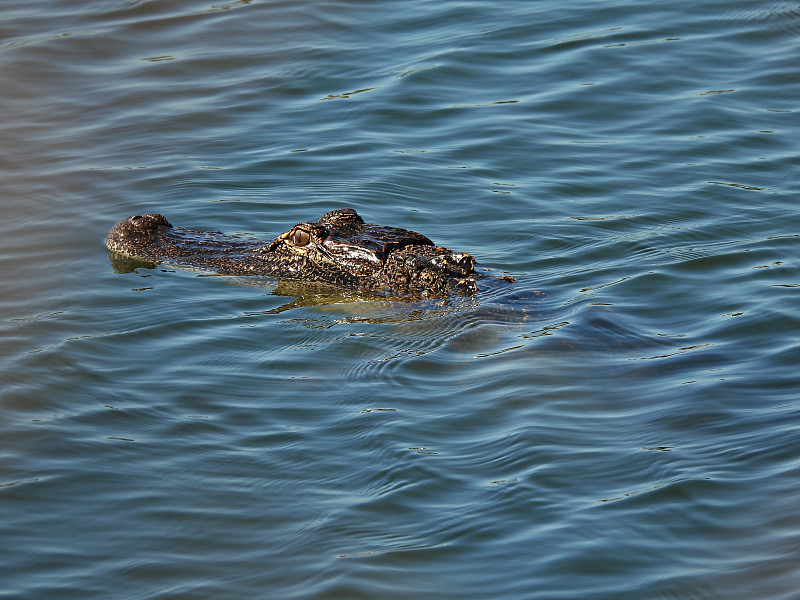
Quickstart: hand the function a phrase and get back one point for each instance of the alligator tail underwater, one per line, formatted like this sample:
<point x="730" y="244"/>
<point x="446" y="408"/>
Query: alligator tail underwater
<point x="339" y="248"/>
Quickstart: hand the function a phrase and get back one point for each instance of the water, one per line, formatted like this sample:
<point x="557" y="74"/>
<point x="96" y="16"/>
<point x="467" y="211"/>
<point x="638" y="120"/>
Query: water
<point x="621" y="423"/>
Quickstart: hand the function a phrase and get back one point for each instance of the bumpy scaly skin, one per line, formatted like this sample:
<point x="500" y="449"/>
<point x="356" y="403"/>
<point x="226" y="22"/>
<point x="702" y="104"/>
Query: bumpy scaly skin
<point x="338" y="248"/>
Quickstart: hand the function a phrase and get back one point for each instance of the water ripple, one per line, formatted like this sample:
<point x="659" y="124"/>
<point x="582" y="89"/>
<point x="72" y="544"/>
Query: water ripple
<point x="620" y="422"/>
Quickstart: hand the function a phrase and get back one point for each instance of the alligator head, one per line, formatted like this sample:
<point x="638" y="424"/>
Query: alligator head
<point x="338" y="248"/>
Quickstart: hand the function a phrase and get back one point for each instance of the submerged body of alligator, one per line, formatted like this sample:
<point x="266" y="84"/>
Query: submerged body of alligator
<point x="338" y="248"/>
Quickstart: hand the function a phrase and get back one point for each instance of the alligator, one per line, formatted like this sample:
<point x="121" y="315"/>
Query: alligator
<point x="339" y="248"/>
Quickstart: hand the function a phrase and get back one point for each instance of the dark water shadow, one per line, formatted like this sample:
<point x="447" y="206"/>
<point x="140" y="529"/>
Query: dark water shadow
<point x="517" y="312"/>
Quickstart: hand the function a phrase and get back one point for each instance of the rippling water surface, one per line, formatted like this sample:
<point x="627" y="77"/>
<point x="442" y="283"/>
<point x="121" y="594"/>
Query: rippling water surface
<point x="622" y="422"/>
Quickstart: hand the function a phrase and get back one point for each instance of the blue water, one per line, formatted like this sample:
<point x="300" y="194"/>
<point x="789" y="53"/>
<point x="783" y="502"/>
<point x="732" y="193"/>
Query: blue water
<point x="622" y="422"/>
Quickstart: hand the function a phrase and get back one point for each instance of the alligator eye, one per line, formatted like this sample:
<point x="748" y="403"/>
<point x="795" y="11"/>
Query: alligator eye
<point x="301" y="237"/>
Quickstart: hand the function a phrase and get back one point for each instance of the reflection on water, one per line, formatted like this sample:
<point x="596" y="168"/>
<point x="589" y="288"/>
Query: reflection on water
<point x="122" y="263"/>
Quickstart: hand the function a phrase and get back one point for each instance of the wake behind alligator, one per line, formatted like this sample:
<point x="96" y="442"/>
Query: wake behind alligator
<point x="339" y="248"/>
